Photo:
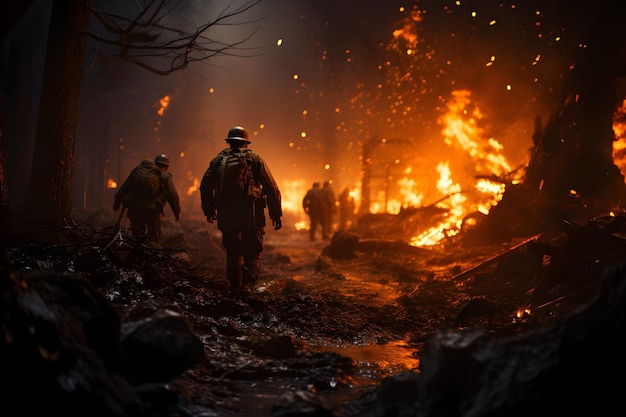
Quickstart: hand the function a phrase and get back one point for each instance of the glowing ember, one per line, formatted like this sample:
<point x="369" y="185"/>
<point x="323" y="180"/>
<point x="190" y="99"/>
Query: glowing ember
<point x="163" y="102"/>
<point x="195" y="184"/>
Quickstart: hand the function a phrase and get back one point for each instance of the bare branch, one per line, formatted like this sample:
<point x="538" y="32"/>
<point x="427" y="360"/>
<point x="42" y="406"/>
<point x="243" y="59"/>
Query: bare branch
<point x="148" y="42"/>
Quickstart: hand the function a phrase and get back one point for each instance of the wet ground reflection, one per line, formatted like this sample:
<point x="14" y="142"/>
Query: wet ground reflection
<point x="383" y="359"/>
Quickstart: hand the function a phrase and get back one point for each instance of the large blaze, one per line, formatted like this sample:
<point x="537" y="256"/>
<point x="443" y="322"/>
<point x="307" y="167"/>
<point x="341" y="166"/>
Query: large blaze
<point x="415" y="128"/>
<point x="460" y="129"/>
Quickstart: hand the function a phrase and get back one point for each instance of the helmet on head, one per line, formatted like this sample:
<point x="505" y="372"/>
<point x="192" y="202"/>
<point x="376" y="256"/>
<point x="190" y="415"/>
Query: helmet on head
<point x="162" y="160"/>
<point x="238" y="133"/>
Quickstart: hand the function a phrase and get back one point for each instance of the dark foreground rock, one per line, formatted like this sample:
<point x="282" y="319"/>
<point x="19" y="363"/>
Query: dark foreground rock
<point x="101" y="325"/>
<point x="573" y="367"/>
<point x="63" y="349"/>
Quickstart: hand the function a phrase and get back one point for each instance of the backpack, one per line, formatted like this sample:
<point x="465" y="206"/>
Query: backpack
<point x="235" y="175"/>
<point x="146" y="182"/>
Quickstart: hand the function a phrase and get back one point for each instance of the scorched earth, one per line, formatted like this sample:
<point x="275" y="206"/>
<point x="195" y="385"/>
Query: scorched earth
<point x="329" y="320"/>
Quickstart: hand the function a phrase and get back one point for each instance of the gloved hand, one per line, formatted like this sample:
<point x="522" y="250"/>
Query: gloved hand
<point x="116" y="206"/>
<point x="277" y="223"/>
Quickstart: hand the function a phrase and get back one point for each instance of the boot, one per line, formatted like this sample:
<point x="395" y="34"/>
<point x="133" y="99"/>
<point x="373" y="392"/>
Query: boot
<point x="235" y="289"/>
<point x="247" y="287"/>
<point x="234" y="275"/>
<point x="245" y="292"/>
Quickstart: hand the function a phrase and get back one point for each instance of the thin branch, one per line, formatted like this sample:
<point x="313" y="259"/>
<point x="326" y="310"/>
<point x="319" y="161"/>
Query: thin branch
<point x="145" y="41"/>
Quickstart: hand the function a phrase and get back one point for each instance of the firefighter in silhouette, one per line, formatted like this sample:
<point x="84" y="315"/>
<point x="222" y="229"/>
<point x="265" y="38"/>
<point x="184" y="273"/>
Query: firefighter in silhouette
<point x="314" y="206"/>
<point x="144" y="193"/>
<point x="235" y="190"/>
<point x="330" y="208"/>
<point x="346" y="209"/>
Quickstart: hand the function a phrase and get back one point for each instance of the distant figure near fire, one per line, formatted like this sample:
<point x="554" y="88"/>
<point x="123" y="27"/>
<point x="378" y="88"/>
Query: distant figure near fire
<point x="330" y="208"/>
<point x="314" y="206"/>
<point x="346" y="210"/>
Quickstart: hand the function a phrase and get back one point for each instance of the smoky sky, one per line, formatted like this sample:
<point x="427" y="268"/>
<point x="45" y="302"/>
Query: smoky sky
<point x="253" y="86"/>
<point x="344" y="74"/>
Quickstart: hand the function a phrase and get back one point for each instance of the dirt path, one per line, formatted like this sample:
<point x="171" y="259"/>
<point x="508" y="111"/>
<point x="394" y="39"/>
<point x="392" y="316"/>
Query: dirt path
<point x="352" y="321"/>
<point x="315" y="324"/>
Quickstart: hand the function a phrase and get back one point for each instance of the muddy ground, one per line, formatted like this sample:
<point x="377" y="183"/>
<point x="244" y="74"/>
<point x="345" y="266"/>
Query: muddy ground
<point x="321" y="323"/>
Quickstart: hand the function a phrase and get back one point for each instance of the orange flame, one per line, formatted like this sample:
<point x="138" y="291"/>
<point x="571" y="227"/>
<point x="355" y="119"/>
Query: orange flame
<point x="619" y="144"/>
<point x="461" y="130"/>
<point x="451" y="225"/>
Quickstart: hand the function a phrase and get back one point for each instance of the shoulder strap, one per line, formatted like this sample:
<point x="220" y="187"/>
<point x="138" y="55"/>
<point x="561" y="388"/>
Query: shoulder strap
<point x="224" y="158"/>
<point x="248" y="161"/>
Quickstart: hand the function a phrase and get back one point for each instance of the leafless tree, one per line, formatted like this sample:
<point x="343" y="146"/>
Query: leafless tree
<point x="145" y="39"/>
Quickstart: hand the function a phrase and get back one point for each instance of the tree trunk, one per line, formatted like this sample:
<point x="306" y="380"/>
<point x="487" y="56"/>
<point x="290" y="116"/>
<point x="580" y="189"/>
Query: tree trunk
<point x="49" y="196"/>
<point x="5" y="212"/>
<point x="572" y="152"/>
<point x="10" y="12"/>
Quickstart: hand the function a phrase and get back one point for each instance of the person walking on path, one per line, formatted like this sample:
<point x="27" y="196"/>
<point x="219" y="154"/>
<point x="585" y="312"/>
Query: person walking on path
<point x="144" y="193"/>
<point x="346" y="210"/>
<point x="313" y="205"/>
<point x="235" y="190"/>
<point x="329" y="209"/>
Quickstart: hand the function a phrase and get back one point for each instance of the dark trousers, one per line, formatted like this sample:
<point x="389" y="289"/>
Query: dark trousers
<point x="145" y="224"/>
<point x="317" y="219"/>
<point x="243" y="256"/>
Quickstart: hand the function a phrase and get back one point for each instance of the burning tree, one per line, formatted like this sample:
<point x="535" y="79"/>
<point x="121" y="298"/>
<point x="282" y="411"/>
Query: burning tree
<point x="566" y="61"/>
<point x="572" y="159"/>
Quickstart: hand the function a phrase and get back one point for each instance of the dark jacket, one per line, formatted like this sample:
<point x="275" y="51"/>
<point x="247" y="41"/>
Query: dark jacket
<point x="242" y="212"/>
<point x="313" y="201"/>
<point x="329" y="199"/>
<point x="170" y="195"/>
<point x="167" y="193"/>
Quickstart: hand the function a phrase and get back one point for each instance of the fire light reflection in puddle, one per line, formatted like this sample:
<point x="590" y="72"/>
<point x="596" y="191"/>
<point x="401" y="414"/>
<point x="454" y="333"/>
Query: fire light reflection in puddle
<point x="383" y="359"/>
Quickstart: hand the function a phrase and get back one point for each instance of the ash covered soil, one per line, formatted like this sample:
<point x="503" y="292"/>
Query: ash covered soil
<point x="333" y="323"/>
